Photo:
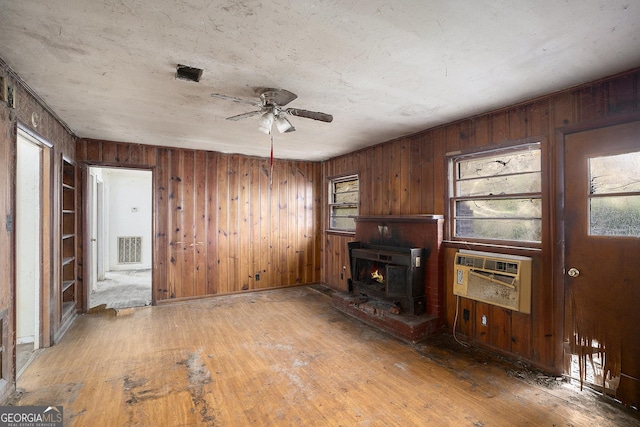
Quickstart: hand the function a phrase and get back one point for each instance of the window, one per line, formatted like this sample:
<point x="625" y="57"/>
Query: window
<point x="344" y="195"/>
<point x="497" y="195"/>
<point x="614" y="195"/>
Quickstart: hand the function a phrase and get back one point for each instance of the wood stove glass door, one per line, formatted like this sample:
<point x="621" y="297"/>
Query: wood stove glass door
<point x="396" y="281"/>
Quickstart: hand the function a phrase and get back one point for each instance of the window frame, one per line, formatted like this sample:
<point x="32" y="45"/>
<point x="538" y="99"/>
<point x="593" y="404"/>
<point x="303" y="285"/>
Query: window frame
<point x="593" y="194"/>
<point x="331" y="205"/>
<point x="452" y="197"/>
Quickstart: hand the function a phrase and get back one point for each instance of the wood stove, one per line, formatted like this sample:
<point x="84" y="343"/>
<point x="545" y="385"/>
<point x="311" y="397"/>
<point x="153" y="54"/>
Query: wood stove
<point x="389" y="273"/>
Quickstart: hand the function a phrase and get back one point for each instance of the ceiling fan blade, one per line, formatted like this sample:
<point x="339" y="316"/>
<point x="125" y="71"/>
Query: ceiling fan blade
<point x="279" y="97"/>
<point x="234" y="99"/>
<point x="244" y="115"/>
<point x="323" y="117"/>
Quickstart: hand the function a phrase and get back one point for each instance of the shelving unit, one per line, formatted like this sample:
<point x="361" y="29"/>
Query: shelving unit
<point x="68" y="281"/>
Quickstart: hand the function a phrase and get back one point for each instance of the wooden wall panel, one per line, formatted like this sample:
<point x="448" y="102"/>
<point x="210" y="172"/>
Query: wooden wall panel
<point x="410" y="177"/>
<point x="255" y="214"/>
<point x="233" y="223"/>
<point x="499" y="127"/>
<point x="281" y="210"/>
<point x="211" y="224"/>
<point x="374" y="206"/>
<point x="439" y="171"/>
<point x="404" y="204"/>
<point x="591" y="102"/>
<point x="265" y="233"/>
<point x="426" y="186"/>
<point x="162" y="200"/>
<point x="200" y="223"/>
<point x="177" y="283"/>
<point x="623" y="97"/>
<point x="482" y="131"/>
<point x="224" y="230"/>
<point x="415" y="179"/>
<point x="219" y="219"/>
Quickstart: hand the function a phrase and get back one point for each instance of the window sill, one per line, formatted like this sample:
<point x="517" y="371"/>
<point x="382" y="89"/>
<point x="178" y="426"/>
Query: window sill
<point x="340" y="233"/>
<point x="479" y="246"/>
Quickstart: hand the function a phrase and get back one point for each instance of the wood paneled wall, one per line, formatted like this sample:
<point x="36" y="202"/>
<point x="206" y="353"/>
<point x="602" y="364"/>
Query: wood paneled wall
<point x="396" y="178"/>
<point x="408" y="176"/>
<point x="220" y="220"/>
<point x="32" y="115"/>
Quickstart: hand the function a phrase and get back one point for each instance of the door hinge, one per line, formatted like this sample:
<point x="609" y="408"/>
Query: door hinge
<point x="9" y="223"/>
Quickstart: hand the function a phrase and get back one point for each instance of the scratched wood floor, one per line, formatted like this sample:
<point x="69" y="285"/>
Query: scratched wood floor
<point x="284" y="358"/>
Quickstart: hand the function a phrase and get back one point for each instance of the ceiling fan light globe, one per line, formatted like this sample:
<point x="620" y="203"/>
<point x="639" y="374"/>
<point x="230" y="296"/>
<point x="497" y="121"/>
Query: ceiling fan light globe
<point x="284" y="125"/>
<point x="266" y="130"/>
<point x="266" y="121"/>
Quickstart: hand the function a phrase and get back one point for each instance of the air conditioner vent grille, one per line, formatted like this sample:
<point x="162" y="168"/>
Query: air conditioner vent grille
<point x="470" y="261"/>
<point x="497" y="265"/>
<point x="130" y="250"/>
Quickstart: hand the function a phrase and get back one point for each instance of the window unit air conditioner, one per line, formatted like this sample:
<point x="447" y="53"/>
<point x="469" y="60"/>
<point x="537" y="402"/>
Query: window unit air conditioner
<point x="501" y="280"/>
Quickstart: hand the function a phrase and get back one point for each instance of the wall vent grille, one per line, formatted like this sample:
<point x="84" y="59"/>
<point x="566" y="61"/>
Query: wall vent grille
<point x="129" y="250"/>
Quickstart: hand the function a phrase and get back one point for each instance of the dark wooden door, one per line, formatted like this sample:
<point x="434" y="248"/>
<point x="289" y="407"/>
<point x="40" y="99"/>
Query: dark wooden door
<point x="602" y="255"/>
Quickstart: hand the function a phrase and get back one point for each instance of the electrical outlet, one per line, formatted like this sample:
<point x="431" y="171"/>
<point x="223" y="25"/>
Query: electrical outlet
<point x="465" y="314"/>
<point x="257" y="277"/>
<point x="341" y="276"/>
<point x="484" y="320"/>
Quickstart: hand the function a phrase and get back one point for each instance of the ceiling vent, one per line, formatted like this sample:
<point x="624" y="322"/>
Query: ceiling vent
<point x="184" y="72"/>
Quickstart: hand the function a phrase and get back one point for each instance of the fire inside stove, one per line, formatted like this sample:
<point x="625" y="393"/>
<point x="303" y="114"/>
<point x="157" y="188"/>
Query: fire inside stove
<point x="375" y="275"/>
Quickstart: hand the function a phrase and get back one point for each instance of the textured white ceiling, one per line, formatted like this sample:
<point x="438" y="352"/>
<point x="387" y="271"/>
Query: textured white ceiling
<point x="383" y="69"/>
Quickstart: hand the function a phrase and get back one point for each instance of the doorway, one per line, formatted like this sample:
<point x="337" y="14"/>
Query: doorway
<point x="119" y="227"/>
<point x="602" y="243"/>
<point x="33" y="237"/>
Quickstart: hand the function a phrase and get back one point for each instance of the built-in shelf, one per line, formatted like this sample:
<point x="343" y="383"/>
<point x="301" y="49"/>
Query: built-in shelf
<point x="68" y="310"/>
<point x="67" y="284"/>
<point x="68" y="292"/>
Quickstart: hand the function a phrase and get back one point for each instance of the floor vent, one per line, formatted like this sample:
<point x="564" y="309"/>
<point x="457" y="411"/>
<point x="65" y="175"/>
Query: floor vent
<point x="129" y="250"/>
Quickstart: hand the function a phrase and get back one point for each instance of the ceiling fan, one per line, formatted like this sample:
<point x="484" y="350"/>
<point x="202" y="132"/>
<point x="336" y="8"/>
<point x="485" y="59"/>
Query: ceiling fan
<point x="272" y="111"/>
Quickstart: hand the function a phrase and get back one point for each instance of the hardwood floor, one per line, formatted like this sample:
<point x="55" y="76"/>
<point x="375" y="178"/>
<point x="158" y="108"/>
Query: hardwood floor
<point x="286" y="358"/>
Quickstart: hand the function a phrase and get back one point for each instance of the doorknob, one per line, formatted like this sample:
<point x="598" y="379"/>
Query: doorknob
<point x="573" y="272"/>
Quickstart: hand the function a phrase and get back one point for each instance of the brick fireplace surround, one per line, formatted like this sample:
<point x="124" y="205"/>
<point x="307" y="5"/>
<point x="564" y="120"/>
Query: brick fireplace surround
<point x="407" y="231"/>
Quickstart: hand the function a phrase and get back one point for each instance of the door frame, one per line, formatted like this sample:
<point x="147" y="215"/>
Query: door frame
<point x="46" y="237"/>
<point x="85" y="224"/>
<point x="558" y="268"/>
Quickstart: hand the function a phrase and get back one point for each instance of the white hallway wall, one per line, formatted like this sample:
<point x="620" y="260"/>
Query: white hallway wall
<point x="28" y="241"/>
<point x="129" y="199"/>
